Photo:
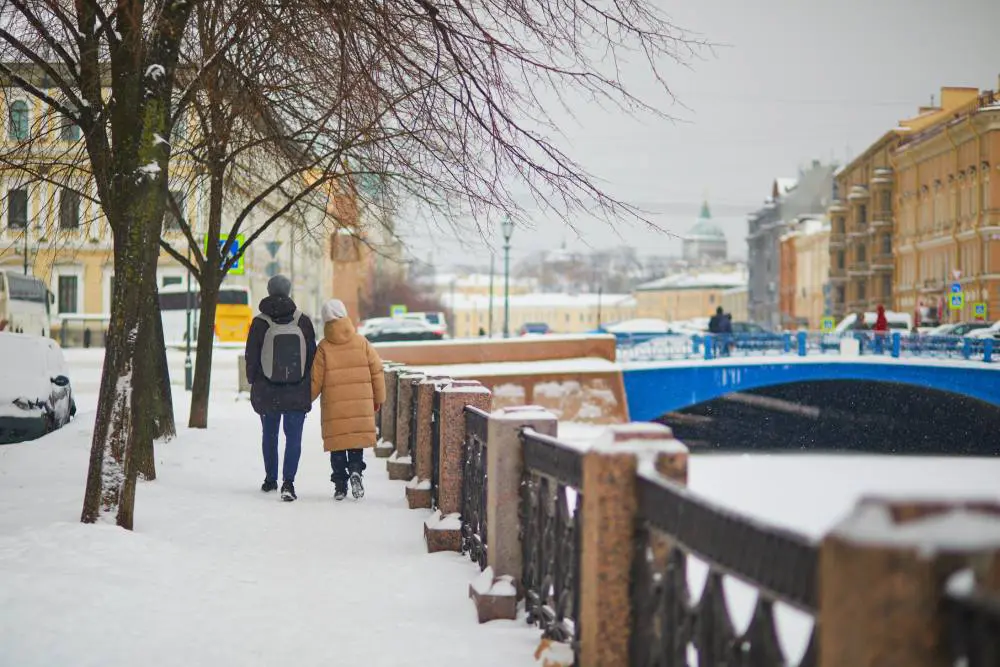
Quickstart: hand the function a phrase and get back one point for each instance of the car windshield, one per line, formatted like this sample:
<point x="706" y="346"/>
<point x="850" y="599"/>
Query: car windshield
<point x="433" y="318"/>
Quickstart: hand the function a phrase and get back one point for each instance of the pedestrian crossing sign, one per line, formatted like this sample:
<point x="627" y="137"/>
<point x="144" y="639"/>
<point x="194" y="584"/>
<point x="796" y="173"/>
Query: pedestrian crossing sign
<point x="979" y="310"/>
<point x="827" y="324"/>
<point x="228" y="248"/>
<point x="956" y="301"/>
<point x="397" y="310"/>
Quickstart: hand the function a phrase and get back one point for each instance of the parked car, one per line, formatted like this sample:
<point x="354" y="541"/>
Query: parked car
<point x="35" y="393"/>
<point x="534" y="329"/>
<point x="748" y="328"/>
<point x="402" y="330"/>
<point x="960" y="329"/>
<point x="369" y="325"/>
<point x="434" y="319"/>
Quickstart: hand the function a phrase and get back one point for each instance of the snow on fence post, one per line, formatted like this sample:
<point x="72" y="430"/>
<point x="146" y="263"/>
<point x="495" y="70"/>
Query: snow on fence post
<point x="888" y="576"/>
<point x="400" y="463"/>
<point x="608" y="530"/>
<point x="387" y="441"/>
<point x="443" y="530"/>
<point x="418" y="490"/>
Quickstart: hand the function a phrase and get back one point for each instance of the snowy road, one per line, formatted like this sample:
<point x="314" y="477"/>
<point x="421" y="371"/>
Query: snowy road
<point x="217" y="573"/>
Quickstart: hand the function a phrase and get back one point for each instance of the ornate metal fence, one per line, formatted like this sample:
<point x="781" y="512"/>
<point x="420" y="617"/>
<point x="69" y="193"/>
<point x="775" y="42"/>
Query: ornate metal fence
<point x="673" y="523"/>
<point x="975" y="628"/>
<point x="474" y="451"/>
<point x="435" y="445"/>
<point x="550" y="535"/>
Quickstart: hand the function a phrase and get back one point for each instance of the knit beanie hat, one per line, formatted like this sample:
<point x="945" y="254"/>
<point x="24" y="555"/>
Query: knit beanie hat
<point x="279" y="285"/>
<point x="334" y="309"/>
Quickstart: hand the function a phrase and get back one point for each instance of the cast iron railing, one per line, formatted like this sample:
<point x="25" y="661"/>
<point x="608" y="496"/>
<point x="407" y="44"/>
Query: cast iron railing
<point x="974" y="620"/>
<point x="435" y="445"/>
<point x="673" y="523"/>
<point x="550" y="536"/>
<point x="474" y="451"/>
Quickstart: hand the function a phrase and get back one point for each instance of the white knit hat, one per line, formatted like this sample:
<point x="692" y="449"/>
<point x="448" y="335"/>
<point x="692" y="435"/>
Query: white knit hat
<point x="334" y="309"/>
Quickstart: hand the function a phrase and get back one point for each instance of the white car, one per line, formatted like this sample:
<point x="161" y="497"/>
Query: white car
<point x="992" y="331"/>
<point x="35" y="393"/>
<point x="435" y="319"/>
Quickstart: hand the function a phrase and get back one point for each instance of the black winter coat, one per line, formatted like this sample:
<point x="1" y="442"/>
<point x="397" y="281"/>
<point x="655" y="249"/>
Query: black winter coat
<point x="265" y="397"/>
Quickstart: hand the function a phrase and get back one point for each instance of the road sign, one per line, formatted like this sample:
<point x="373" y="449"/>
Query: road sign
<point x="397" y="310"/>
<point x="228" y="249"/>
<point x="273" y="247"/>
<point x="272" y="269"/>
<point x="957" y="301"/>
<point x="956" y="288"/>
<point x="979" y="310"/>
<point x="827" y="324"/>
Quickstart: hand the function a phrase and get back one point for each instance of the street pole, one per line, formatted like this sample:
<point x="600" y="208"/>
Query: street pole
<point x="507" y="227"/>
<point x="188" y="377"/>
<point x="26" y="227"/>
<point x="506" y="289"/>
<point x="489" y="317"/>
<point x="600" y="291"/>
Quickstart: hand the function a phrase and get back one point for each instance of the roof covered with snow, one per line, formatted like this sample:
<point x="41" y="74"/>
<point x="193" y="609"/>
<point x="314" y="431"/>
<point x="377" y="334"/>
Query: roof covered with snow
<point x="538" y="300"/>
<point x="688" y="281"/>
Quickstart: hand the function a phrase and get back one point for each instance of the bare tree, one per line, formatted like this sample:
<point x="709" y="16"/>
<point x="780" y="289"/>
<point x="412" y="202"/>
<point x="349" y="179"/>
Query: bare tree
<point x="67" y="56"/>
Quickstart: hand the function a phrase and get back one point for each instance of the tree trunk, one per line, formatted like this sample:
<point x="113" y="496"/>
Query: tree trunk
<point x="129" y="394"/>
<point x="154" y="366"/>
<point x="206" y="346"/>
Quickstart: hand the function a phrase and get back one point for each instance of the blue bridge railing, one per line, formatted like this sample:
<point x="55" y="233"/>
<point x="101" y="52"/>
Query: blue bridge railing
<point x="667" y="347"/>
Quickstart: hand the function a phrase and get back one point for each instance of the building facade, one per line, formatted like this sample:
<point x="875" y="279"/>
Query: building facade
<point x="735" y="301"/>
<point x="686" y="296"/>
<point x="948" y="196"/>
<point x="808" y="195"/>
<point x="563" y="313"/>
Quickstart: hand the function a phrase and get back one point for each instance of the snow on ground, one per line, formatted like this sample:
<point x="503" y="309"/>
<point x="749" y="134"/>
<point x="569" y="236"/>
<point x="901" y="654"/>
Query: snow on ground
<point x="218" y="573"/>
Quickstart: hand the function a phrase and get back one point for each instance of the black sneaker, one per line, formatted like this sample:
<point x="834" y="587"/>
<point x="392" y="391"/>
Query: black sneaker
<point x="357" y="488"/>
<point x="288" y="492"/>
<point x="269" y="485"/>
<point x="340" y="491"/>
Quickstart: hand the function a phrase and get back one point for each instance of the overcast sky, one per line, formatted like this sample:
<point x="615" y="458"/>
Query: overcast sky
<point x="791" y="81"/>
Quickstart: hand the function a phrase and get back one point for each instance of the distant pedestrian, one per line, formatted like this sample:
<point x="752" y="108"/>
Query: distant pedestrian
<point x="347" y="375"/>
<point x="859" y="322"/>
<point x="482" y="332"/>
<point x="881" y="322"/>
<point x="715" y="322"/>
<point x="280" y="349"/>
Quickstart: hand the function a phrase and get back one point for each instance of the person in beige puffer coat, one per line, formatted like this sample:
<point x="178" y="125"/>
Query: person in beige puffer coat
<point x="347" y="376"/>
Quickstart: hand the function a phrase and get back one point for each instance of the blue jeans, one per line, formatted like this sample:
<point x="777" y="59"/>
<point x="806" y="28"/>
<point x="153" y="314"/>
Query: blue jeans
<point x="345" y="462"/>
<point x="293" y="443"/>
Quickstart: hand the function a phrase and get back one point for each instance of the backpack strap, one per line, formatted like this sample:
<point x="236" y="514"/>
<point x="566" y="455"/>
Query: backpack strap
<point x="266" y="319"/>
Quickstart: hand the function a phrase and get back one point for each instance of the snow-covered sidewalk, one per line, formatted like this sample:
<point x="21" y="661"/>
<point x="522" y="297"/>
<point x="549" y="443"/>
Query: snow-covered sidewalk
<point x="216" y="572"/>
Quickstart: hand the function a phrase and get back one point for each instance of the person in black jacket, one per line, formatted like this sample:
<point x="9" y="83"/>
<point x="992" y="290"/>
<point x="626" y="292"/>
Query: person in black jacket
<point x="277" y="402"/>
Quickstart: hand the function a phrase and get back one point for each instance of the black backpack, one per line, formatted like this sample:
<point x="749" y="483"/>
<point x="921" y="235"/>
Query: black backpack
<point x="283" y="354"/>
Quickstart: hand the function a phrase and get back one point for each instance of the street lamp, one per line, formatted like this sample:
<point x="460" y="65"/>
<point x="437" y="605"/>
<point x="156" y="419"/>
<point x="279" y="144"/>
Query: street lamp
<point x="507" y="227"/>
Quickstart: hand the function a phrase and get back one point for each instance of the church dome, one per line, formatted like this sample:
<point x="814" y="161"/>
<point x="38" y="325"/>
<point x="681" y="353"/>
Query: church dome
<point x="705" y="229"/>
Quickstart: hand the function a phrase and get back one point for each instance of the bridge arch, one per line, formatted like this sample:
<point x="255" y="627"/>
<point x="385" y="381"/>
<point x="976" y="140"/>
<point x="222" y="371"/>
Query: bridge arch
<point x="653" y="390"/>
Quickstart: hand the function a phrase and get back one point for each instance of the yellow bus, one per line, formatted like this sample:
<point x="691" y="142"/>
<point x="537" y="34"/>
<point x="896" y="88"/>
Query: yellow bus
<point x="233" y="314"/>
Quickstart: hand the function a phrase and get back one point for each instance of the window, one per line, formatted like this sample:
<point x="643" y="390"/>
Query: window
<point x="18" y="126"/>
<point x="886" y="244"/>
<point x="862" y="253"/>
<point x="172" y="280"/>
<point x="67" y="292"/>
<point x="840" y="259"/>
<point x="69" y="209"/>
<point x="17" y="208"/>
<point x="862" y="215"/>
<point x="862" y="290"/>
<point x="886" y="201"/>
<point x="69" y="130"/>
<point x="170" y="221"/>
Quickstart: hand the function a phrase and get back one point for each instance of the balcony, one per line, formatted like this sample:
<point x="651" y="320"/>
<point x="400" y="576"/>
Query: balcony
<point x="837" y="274"/>
<point x="883" y="262"/>
<point x="881" y="219"/>
<point x="837" y="239"/>
<point x="837" y="206"/>
<point x="858" y="193"/>
<point x="858" y="231"/>
<point x="932" y="285"/>
<point x="858" y="268"/>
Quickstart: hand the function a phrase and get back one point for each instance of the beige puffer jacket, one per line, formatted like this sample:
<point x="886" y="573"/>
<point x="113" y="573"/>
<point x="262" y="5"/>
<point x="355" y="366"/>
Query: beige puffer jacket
<point x="347" y="373"/>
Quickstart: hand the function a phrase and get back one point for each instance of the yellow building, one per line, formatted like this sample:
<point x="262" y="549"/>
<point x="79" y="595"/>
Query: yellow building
<point x="563" y="313"/>
<point x="805" y="255"/>
<point x="686" y="296"/>
<point x="52" y="226"/>
<point x="868" y="267"/>
<point x="948" y="183"/>
<point x="736" y="302"/>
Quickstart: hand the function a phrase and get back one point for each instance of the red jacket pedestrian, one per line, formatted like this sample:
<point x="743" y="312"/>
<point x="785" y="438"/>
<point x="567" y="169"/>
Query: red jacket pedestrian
<point x="881" y="323"/>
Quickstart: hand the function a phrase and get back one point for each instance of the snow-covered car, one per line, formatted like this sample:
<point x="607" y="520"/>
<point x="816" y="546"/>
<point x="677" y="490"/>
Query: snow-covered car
<point x="35" y="393"/>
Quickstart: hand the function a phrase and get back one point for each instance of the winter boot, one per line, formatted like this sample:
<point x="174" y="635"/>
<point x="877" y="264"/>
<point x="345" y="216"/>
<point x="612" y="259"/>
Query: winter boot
<point x="340" y="490"/>
<point x="288" y="491"/>
<point x="269" y="485"/>
<point x="357" y="488"/>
